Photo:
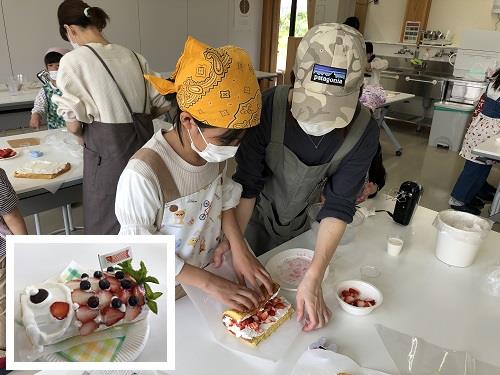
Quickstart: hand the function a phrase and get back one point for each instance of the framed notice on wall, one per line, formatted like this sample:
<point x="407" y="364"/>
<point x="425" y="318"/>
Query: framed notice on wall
<point x="242" y="11"/>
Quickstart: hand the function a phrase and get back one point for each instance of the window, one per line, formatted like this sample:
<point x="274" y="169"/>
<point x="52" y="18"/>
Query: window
<point x="293" y="22"/>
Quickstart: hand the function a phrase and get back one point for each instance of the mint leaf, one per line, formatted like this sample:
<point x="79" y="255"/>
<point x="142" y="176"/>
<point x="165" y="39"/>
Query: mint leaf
<point x="155" y="295"/>
<point x="151" y="279"/>
<point x="153" y="306"/>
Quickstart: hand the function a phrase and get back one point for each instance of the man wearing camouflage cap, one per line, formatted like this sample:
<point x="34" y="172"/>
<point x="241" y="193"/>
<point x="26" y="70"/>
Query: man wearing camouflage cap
<point x="314" y="139"/>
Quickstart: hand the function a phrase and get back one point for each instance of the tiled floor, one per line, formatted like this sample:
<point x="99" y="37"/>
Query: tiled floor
<point x="435" y="169"/>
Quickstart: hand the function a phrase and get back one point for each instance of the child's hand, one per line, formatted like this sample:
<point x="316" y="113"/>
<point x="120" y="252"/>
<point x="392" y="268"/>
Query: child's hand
<point x="36" y="121"/>
<point x="231" y="294"/>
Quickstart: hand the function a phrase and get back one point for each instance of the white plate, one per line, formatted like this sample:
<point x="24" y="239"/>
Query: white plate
<point x="289" y="267"/>
<point x="11" y="157"/>
<point x="132" y="347"/>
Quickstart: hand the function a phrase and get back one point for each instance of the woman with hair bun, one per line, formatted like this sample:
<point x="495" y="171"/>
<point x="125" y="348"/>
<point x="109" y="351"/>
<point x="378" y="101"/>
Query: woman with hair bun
<point x="106" y="101"/>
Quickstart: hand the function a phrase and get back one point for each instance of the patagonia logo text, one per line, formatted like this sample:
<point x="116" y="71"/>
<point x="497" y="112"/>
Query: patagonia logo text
<point x="328" y="75"/>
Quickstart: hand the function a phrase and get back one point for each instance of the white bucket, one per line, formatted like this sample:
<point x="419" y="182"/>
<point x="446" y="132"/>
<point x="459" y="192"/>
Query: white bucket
<point x="459" y="237"/>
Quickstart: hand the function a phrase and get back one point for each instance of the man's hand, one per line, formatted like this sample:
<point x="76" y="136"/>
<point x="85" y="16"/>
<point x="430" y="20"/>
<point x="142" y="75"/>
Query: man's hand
<point x="248" y="269"/>
<point x="369" y="189"/>
<point x="311" y="306"/>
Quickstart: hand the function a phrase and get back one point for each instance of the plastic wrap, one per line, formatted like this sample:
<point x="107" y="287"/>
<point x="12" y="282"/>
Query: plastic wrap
<point x="64" y="140"/>
<point x="462" y="226"/>
<point x="413" y="355"/>
<point x="491" y="281"/>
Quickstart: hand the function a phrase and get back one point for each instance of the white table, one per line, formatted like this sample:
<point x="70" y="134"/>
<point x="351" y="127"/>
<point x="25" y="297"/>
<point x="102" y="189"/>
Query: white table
<point x="379" y="114"/>
<point x="23" y="100"/>
<point x="35" y="195"/>
<point x="490" y="149"/>
<point x="55" y="257"/>
<point x="422" y="297"/>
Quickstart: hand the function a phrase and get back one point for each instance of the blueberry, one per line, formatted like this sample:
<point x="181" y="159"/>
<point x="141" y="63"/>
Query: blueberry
<point x="132" y="301"/>
<point x="119" y="275"/>
<point x="93" y="302"/>
<point x="116" y="303"/>
<point x="84" y="275"/>
<point x="97" y="274"/>
<point x="85" y="285"/>
<point x="104" y="284"/>
<point x="110" y="269"/>
<point x="126" y="284"/>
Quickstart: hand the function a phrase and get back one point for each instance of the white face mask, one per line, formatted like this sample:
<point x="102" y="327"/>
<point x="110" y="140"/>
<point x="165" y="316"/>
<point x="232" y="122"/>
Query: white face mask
<point x="213" y="153"/>
<point x="316" y="130"/>
<point x="53" y="75"/>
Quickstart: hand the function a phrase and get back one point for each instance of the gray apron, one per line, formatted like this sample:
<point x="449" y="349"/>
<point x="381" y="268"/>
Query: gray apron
<point x="280" y="213"/>
<point x="108" y="148"/>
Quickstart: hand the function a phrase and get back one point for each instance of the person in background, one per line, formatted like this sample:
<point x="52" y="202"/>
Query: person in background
<point x="44" y="109"/>
<point x="353" y="22"/>
<point x="11" y="222"/>
<point x="106" y="101"/>
<point x="374" y="65"/>
<point x="472" y="179"/>
<point x="315" y="138"/>
<point x="177" y="184"/>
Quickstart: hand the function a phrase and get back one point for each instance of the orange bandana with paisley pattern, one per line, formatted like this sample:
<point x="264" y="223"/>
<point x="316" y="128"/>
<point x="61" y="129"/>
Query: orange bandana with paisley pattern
<point x="217" y="86"/>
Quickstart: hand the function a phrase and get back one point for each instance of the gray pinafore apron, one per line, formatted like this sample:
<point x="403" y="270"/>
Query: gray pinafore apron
<point x="281" y="211"/>
<point x="108" y="148"/>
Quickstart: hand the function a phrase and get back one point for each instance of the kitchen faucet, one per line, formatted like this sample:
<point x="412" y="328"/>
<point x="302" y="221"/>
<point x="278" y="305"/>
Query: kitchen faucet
<point x="404" y="50"/>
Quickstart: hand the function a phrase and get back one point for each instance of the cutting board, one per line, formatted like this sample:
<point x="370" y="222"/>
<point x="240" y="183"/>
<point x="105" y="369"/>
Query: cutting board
<point x="23" y="142"/>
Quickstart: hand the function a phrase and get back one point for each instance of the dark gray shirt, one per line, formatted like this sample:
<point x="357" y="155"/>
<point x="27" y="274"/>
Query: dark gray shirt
<point x="343" y="186"/>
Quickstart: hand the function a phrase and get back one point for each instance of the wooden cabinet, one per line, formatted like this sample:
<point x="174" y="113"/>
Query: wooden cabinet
<point x="417" y="11"/>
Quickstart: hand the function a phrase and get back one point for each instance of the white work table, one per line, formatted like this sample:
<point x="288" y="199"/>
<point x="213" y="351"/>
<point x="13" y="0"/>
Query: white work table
<point x="23" y="100"/>
<point x="422" y="297"/>
<point x="37" y="195"/>
<point x="391" y="97"/>
<point x="490" y="149"/>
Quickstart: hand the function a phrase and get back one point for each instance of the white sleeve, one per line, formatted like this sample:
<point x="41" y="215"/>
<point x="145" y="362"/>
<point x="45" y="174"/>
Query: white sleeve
<point x="75" y="103"/>
<point x="231" y="193"/>
<point x="40" y="105"/>
<point x="137" y="203"/>
<point x="136" y="207"/>
<point x="379" y="64"/>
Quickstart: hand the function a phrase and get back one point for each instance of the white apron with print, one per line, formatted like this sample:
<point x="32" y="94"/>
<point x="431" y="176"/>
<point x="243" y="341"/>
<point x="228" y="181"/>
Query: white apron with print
<point x="195" y="220"/>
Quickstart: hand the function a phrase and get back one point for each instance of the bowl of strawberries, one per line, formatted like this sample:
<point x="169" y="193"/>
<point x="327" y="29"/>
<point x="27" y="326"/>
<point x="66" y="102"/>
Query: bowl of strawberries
<point x="358" y="297"/>
<point x="7" y="153"/>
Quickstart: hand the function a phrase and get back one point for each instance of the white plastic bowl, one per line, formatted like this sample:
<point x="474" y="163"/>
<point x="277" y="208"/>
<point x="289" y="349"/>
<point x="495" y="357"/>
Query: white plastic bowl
<point x="366" y="290"/>
<point x="350" y="231"/>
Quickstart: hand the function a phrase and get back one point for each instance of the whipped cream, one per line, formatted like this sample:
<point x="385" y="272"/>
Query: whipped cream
<point x="249" y="333"/>
<point x="42" y="167"/>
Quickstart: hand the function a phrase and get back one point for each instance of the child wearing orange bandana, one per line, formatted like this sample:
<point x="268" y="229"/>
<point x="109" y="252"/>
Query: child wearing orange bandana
<point x="177" y="184"/>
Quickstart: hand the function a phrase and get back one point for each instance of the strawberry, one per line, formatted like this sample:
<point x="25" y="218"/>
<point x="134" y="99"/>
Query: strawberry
<point x="88" y="328"/>
<point x="111" y="316"/>
<point x="254" y="326"/>
<point x="349" y="299"/>
<point x="85" y="314"/>
<point x="279" y="306"/>
<point x="138" y="291"/>
<point x="272" y="312"/>
<point x="360" y="303"/>
<point x="345" y="293"/>
<point x="132" y="313"/>
<point x="114" y="284"/>
<point x="73" y="284"/>
<point x="353" y="292"/>
<point x="371" y="302"/>
<point x="59" y="310"/>
<point x="123" y="295"/>
<point x="104" y="298"/>
<point x="264" y="315"/>
<point x="80" y="297"/>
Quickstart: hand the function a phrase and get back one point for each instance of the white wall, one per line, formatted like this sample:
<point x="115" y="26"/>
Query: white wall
<point x="156" y="28"/>
<point x="384" y="20"/>
<point x="5" y="71"/>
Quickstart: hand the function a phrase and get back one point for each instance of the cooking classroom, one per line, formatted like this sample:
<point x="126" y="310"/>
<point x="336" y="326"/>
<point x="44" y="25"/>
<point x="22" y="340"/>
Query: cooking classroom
<point x="323" y="172"/>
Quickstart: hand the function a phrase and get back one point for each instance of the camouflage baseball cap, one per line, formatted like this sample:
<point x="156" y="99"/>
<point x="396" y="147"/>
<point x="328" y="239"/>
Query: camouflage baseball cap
<point x="329" y="73"/>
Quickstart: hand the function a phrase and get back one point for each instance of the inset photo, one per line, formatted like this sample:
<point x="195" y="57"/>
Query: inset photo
<point x="90" y="303"/>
